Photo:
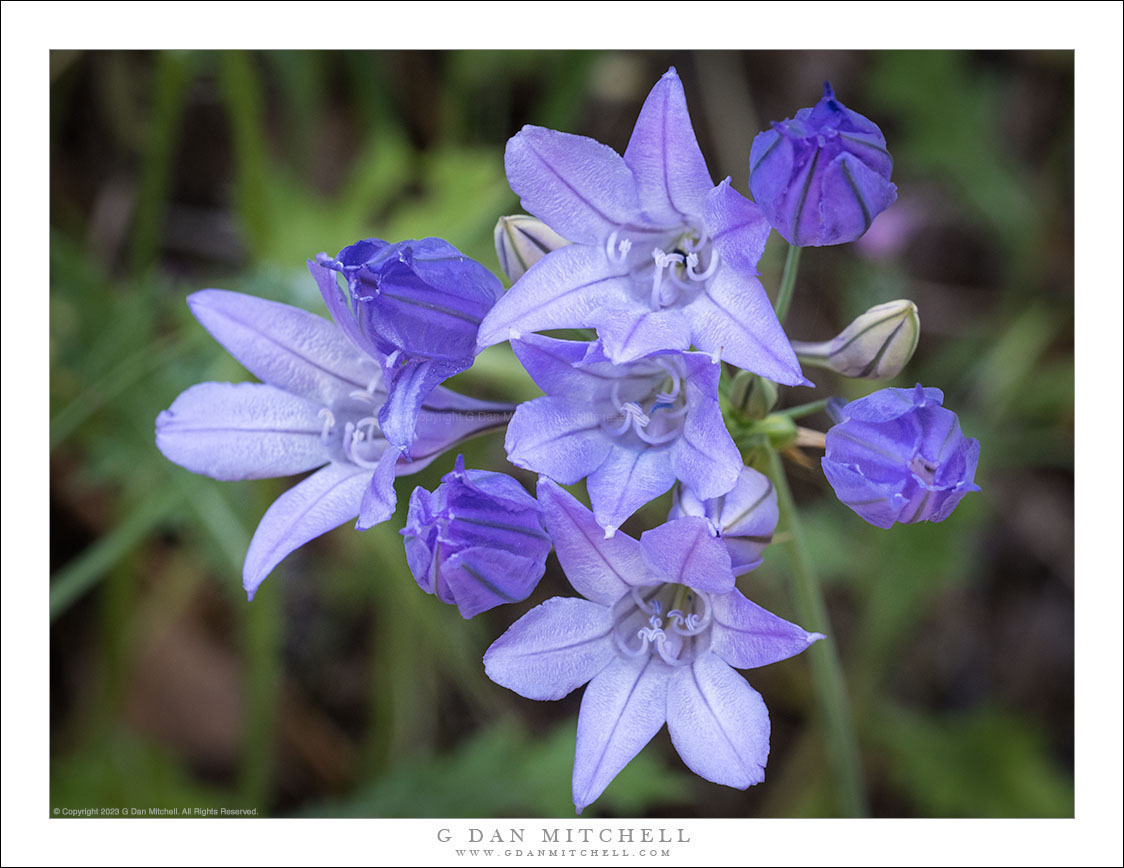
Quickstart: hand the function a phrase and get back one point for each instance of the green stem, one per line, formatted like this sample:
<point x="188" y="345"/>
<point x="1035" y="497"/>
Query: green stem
<point x="788" y="282"/>
<point x="827" y="672"/>
<point x="802" y="410"/>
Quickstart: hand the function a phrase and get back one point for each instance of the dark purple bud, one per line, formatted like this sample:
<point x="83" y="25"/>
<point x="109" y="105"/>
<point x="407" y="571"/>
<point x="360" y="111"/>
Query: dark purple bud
<point x="899" y="456"/>
<point x="476" y="541"/>
<point x="415" y="304"/>
<point x="823" y="176"/>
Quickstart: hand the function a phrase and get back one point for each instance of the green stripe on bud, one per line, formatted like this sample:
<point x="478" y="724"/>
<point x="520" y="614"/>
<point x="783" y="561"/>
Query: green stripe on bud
<point x="876" y="346"/>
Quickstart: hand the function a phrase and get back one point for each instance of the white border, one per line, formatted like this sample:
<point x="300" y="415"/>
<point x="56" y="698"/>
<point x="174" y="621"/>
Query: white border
<point x="30" y="29"/>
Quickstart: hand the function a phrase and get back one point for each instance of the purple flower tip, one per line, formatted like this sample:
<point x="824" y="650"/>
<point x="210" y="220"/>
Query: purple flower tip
<point x="822" y="176"/>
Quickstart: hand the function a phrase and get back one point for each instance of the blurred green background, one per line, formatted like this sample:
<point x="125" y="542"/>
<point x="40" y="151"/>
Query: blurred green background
<point x="343" y="690"/>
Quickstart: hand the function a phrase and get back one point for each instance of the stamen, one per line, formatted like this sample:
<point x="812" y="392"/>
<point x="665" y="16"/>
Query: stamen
<point x="637" y="415"/>
<point x="329" y="422"/>
<point x="662" y="649"/>
<point x="692" y="246"/>
<point x="354" y="434"/>
<point x="657" y="439"/>
<point x="617" y="251"/>
<point x="644" y="605"/>
<point x="694" y="623"/>
<point x="663" y="260"/>
<point x="622" y="646"/>
<point x="710" y="269"/>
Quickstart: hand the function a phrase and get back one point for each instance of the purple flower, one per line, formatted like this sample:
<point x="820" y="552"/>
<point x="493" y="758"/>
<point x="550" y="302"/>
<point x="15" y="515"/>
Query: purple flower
<point x="315" y="409"/>
<point x="632" y="429"/>
<point x="899" y="456"/>
<point x="744" y="519"/>
<point x="656" y="636"/>
<point x="477" y="541"/>
<point x="661" y="257"/>
<point x="823" y="176"/>
<point x="417" y="306"/>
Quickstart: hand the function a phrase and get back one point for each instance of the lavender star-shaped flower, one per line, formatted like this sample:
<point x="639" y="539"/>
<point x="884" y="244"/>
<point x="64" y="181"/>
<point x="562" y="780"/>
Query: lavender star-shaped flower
<point x="661" y="259"/>
<point x="656" y="636"/>
<point x="315" y="409"/>
<point x="632" y="429"/>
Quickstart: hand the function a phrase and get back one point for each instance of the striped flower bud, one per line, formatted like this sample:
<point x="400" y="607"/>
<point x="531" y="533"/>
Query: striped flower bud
<point x="521" y="241"/>
<point x="876" y="346"/>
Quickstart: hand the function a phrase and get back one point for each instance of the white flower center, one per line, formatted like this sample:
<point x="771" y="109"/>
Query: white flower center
<point x="681" y="266"/>
<point x="351" y="427"/>
<point x="651" y="408"/>
<point x="669" y="621"/>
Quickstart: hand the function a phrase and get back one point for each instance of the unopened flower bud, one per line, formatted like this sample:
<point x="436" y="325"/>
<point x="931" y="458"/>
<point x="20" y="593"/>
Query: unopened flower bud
<point x="822" y="176"/>
<point x="521" y="241"/>
<point x="876" y="346"/>
<point x="752" y="395"/>
<point x="744" y="519"/>
<point x="477" y="541"/>
<point x="899" y="456"/>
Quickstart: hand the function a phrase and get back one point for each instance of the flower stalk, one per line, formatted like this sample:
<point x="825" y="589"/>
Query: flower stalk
<point x="788" y="282"/>
<point x="828" y="681"/>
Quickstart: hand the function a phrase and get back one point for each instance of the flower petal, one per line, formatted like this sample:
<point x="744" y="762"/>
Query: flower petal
<point x="747" y="636"/>
<point x="555" y="365"/>
<point x="879" y="503"/>
<point x="623" y="707"/>
<point x="626" y="480"/>
<point x="887" y="404"/>
<point x="579" y="187"/>
<point x="664" y="155"/>
<point x="448" y="418"/>
<point x="408" y="384"/>
<point x="853" y="195"/>
<point x="602" y="570"/>
<point x="283" y="345"/>
<point x="379" y="499"/>
<point x="336" y="300"/>
<point x="704" y="457"/>
<point x="734" y="319"/>
<point x="312" y="507"/>
<point x="687" y="551"/>
<point x="559" y="437"/>
<point x="241" y="431"/>
<point x="628" y="334"/>
<point x="737" y="228"/>
<point x="482" y="578"/>
<point x="559" y="291"/>
<point x="552" y="650"/>
<point x="718" y="723"/>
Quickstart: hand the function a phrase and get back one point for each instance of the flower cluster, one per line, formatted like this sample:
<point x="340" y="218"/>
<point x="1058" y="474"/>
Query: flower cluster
<point x="646" y="250"/>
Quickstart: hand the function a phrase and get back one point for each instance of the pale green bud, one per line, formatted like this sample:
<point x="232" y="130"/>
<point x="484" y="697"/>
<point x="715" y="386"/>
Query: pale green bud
<point x="752" y="395"/>
<point x="876" y="346"/>
<point x="521" y="241"/>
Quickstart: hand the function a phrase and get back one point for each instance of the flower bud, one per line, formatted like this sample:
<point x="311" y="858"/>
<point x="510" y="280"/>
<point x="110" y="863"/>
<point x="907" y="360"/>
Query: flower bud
<point x="477" y="541"/>
<point x="416" y="306"/>
<point x="876" y="346"/>
<point x="745" y="518"/>
<point x="752" y="395"/>
<point x="899" y="456"/>
<point x="521" y="241"/>
<point x="823" y="176"/>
